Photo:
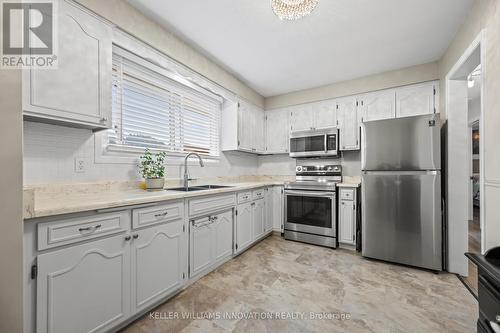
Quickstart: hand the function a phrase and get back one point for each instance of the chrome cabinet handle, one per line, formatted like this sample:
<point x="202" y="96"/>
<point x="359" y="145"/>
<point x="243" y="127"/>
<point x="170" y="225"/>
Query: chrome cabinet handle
<point x="161" y="214"/>
<point x="127" y="238"/>
<point x="92" y="228"/>
<point x="135" y="236"/>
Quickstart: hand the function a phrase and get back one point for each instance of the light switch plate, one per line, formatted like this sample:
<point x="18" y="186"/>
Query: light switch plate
<point x="80" y="165"/>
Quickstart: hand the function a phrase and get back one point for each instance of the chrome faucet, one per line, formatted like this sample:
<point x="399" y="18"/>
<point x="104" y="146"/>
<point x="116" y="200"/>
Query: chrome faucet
<point x="186" y="173"/>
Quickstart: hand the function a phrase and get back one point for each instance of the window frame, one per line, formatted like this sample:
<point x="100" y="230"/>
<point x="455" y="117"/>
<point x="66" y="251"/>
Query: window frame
<point x="129" y="48"/>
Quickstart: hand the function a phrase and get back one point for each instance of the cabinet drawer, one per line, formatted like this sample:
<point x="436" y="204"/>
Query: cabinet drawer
<point x="211" y="204"/>
<point x="347" y="194"/>
<point x="244" y="197"/>
<point x="258" y="194"/>
<point x="157" y="214"/>
<point x="72" y="230"/>
<point x="489" y="300"/>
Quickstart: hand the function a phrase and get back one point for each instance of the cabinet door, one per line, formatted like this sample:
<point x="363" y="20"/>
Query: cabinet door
<point x="158" y="263"/>
<point x="79" y="90"/>
<point x="259" y="130"/>
<point x="223" y="235"/>
<point x="278" y="223"/>
<point x="325" y="115"/>
<point x="244" y="226"/>
<point x="258" y="218"/>
<point x="347" y="222"/>
<point x="84" y="288"/>
<point x="277" y="131"/>
<point x="201" y="246"/>
<point x="302" y="118"/>
<point x="347" y="113"/>
<point x="245" y="127"/>
<point x="415" y="100"/>
<point x="378" y="105"/>
<point x="268" y="226"/>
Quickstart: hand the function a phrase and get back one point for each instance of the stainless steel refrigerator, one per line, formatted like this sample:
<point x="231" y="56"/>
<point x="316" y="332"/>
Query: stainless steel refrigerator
<point x="401" y="191"/>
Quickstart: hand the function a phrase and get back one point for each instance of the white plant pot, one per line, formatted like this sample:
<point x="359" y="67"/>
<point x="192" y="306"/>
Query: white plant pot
<point x="155" y="183"/>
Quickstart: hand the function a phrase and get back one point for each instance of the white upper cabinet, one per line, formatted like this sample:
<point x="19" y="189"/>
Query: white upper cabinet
<point x="349" y="130"/>
<point x="78" y="92"/>
<point x="324" y="114"/>
<point x="243" y="127"/>
<point x="313" y="116"/>
<point x="277" y="131"/>
<point x="416" y="100"/>
<point x="301" y="118"/>
<point x="378" y="105"/>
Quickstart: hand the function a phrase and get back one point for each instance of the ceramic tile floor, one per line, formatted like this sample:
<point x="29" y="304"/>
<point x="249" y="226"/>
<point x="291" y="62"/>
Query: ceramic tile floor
<point x="297" y="279"/>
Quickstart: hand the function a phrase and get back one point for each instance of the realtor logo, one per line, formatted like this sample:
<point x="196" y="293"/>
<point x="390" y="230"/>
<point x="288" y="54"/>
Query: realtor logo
<point x="28" y="31"/>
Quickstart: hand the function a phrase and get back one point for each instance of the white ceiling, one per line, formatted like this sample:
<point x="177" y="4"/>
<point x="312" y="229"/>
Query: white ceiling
<point x="340" y="40"/>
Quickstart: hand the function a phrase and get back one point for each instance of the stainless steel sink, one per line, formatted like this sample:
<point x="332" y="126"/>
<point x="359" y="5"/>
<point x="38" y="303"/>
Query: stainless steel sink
<point x="197" y="188"/>
<point x="212" y="187"/>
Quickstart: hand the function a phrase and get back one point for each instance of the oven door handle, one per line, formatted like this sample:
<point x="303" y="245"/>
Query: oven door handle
<point x="311" y="194"/>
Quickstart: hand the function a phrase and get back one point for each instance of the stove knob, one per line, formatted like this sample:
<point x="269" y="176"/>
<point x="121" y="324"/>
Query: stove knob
<point x="298" y="169"/>
<point x="329" y="169"/>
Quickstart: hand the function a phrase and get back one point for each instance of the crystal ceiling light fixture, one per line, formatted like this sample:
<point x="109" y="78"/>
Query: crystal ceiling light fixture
<point x="293" y="9"/>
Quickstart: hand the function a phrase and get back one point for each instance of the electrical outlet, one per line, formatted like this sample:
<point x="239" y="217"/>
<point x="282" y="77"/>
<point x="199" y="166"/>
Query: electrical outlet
<point x="80" y="164"/>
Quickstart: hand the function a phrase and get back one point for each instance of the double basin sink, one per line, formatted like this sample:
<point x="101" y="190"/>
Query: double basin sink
<point x="197" y="188"/>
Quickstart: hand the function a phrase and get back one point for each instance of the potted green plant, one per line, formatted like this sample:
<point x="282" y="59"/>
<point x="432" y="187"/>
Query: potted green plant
<point x="152" y="169"/>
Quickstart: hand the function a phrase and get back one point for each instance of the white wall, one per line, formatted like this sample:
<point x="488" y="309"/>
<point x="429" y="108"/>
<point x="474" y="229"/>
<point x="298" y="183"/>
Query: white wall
<point x="484" y="15"/>
<point x="474" y="110"/>
<point x="50" y="151"/>
<point x="283" y="165"/>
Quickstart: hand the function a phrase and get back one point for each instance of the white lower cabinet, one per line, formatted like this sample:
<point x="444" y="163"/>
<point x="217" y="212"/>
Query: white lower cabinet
<point x="244" y="227"/>
<point x="258" y="218"/>
<point x="84" y="288"/>
<point x="347" y="216"/>
<point x="211" y="242"/>
<point x="158" y="263"/>
<point x="269" y="210"/>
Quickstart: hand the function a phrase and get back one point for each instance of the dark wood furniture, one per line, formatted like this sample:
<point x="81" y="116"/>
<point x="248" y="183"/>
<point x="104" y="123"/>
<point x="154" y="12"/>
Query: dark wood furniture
<point x="489" y="289"/>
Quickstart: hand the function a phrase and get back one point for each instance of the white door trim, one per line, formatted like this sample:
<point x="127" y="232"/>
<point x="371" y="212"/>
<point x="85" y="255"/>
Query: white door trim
<point x="479" y="41"/>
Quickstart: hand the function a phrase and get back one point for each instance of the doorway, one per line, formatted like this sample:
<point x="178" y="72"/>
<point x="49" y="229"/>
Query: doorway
<point x="465" y="176"/>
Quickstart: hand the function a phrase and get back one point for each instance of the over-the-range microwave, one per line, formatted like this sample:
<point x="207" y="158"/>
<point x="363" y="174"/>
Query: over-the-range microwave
<point x="314" y="143"/>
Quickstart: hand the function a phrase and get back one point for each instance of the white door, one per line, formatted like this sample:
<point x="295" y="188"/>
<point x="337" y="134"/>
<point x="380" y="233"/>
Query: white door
<point x="347" y="222"/>
<point x="277" y="131"/>
<point x="158" y="263"/>
<point x="259" y="130"/>
<point x="201" y="246"/>
<point x="268" y="226"/>
<point x="278" y="223"/>
<point x="349" y="130"/>
<point x="223" y="235"/>
<point x="302" y="118"/>
<point x="244" y="227"/>
<point x="379" y="105"/>
<point x="415" y="100"/>
<point x="245" y="127"/>
<point x="325" y="115"/>
<point x="258" y="218"/>
<point x="79" y="90"/>
<point x="84" y="288"/>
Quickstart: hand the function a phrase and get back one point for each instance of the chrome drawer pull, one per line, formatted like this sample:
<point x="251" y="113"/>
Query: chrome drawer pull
<point x="93" y="228"/>
<point x="162" y="214"/>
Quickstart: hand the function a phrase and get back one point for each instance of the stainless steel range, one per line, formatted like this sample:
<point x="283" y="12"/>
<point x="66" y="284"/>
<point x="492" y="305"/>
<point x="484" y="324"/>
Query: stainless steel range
<point x="310" y="209"/>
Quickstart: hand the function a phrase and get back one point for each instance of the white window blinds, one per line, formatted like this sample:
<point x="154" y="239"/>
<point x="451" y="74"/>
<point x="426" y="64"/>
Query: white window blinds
<point x="152" y="110"/>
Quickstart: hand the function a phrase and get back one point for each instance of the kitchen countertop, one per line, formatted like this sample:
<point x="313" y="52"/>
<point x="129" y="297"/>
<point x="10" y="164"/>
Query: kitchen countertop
<point x="355" y="185"/>
<point x="56" y="203"/>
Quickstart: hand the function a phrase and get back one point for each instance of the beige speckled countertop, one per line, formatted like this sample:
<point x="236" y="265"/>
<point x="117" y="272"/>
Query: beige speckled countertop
<point x="58" y="200"/>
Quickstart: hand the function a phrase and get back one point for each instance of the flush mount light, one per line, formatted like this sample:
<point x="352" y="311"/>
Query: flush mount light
<point x="293" y="9"/>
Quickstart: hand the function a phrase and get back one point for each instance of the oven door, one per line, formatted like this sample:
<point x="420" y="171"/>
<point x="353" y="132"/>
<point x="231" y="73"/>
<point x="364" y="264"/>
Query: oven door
<point x="308" y="146"/>
<point x="311" y="212"/>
